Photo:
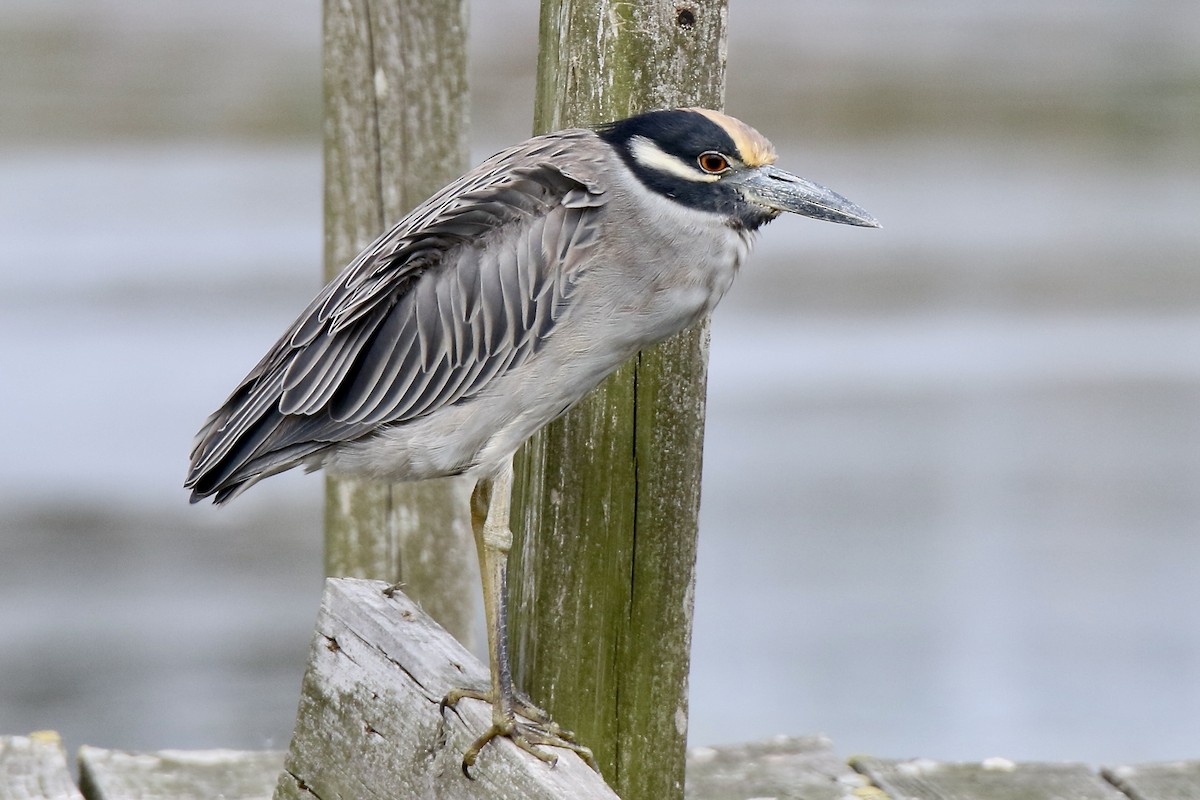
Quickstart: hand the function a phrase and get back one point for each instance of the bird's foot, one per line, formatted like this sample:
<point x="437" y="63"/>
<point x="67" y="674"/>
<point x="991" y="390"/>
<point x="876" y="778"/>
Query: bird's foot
<point x="538" y="731"/>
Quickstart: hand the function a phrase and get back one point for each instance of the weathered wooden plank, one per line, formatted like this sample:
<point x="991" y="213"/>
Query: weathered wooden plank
<point x="395" y="132"/>
<point x="784" y="768"/>
<point x="993" y="779"/>
<point x="606" y="498"/>
<point x="178" y="774"/>
<point x="1167" y="780"/>
<point x="34" y="767"/>
<point x="369" y="724"/>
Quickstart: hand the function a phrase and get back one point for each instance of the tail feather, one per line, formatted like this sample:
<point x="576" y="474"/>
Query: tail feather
<point x="224" y="466"/>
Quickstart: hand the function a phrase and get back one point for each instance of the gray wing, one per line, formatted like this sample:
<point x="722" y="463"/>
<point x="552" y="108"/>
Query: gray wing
<point x="464" y="288"/>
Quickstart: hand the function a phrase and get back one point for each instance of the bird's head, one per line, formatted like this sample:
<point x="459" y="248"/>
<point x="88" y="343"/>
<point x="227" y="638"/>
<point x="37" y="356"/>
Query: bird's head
<point x="713" y="162"/>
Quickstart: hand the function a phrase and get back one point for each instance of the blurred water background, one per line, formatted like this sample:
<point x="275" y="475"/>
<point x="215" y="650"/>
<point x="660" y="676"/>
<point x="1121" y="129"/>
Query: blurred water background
<point x="951" y="499"/>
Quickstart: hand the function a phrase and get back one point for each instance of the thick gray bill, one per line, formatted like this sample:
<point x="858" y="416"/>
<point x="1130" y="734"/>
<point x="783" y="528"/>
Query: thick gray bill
<point x="783" y="191"/>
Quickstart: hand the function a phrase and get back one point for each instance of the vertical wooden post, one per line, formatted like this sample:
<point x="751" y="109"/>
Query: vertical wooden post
<point x="395" y="132"/>
<point x="607" y="497"/>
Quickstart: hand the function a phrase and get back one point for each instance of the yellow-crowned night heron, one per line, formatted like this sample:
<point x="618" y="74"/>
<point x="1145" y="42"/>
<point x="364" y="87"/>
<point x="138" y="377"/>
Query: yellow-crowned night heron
<point x="492" y="308"/>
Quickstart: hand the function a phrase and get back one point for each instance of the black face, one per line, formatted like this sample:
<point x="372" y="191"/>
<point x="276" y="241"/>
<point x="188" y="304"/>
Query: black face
<point x="688" y="136"/>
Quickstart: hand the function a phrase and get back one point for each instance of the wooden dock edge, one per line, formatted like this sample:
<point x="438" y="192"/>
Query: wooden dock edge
<point x="178" y="774"/>
<point x="35" y="767"/>
<point x="368" y="727"/>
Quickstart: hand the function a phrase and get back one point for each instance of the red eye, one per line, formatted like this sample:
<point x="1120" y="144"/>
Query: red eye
<point x="713" y="162"/>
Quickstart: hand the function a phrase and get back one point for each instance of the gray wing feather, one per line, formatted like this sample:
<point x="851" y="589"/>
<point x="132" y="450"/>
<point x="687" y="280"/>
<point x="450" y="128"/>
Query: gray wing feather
<point x="463" y="289"/>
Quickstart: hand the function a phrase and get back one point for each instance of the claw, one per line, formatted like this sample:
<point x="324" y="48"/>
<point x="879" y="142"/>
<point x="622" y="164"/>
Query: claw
<point x="540" y="731"/>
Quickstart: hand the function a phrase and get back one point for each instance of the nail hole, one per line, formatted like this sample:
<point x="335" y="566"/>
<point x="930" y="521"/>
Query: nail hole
<point x="685" y="17"/>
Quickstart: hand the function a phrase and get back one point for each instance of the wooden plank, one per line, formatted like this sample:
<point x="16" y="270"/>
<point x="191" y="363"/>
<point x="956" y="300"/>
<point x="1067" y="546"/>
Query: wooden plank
<point x="992" y="779"/>
<point x="784" y="768"/>
<point x="369" y="726"/>
<point x="34" y="767"/>
<point x="1168" y="780"/>
<point x="178" y="774"/>
<point x="606" y="498"/>
<point x="396" y="132"/>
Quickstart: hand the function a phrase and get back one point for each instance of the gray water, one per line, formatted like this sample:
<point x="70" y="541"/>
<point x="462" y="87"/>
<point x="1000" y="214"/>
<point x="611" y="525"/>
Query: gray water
<point x="950" y="501"/>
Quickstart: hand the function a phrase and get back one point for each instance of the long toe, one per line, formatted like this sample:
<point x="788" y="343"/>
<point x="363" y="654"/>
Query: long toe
<point x="539" y="731"/>
<point x="526" y="708"/>
<point x="454" y="695"/>
<point x="529" y="737"/>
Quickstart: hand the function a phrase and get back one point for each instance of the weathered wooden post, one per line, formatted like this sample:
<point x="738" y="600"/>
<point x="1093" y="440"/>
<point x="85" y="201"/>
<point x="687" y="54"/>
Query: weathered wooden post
<point x="395" y="132"/>
<point x="607" y="497"/>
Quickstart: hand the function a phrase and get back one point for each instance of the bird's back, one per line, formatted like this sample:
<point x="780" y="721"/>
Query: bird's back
<point x="465" y="288"/>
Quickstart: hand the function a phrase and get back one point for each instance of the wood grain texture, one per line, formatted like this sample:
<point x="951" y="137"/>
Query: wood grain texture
<point x="395" y="132"/>
<point x="784" y="768"/>
<point x="34" y="767"/>
<point x="178" y="774"/>
<point x="606" y="498"/>
<point x="995" y="779"/>
<point x="1167" y="780"/>
<point x="369" y="728"/>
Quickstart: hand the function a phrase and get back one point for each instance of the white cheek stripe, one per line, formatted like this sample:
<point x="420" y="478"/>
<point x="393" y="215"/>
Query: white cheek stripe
<point x="648" y="154"/>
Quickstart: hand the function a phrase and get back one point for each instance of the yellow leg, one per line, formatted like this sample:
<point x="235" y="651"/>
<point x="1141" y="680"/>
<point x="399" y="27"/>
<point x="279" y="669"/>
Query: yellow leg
<point x="490" y="503"/>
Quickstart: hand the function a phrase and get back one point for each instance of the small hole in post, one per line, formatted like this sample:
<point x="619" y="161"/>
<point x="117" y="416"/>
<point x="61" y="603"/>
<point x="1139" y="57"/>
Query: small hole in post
<point x="685" y="17"/>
